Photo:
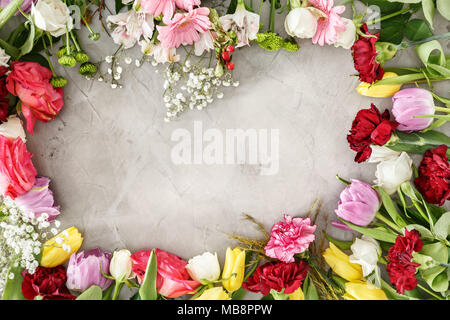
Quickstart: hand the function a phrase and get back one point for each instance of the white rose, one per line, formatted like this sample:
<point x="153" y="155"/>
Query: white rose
<point x="13" y="128"/>
<point x="52" y="16"/>
<point x="120" y="265"/>
<point x="347" y="38"/>
<point x="302" y="22"/>
<point x="392" y="173"/>
<point x="205" y="266"/>
<point x="4" y="58"/>
<point x="382" y="153"/>
<point x="365" y="253"/>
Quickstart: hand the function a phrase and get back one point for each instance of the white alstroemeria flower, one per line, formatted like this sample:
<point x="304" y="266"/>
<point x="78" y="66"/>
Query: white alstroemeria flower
<point x="244" y="23"/>
<point x="365" y="253"/>
<point x="130" y="27"/>
<point x="52" y="16"/>
<point x="13" y="128"/>
<point x="382" y="153"/>
<point x="302" y="22"/>
<point x="205" y="43"/>
<point x="392" y="173"/>
<point x="347" y="38"/>
<point x="205" y="266"/>
<point x="4" y="58"/>
<point x="160" y="54"/>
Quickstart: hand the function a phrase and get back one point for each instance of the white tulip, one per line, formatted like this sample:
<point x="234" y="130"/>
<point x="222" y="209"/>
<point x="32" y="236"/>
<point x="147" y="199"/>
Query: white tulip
<point x="205" y="266"/>
<point x="382" y="153"/>
<point x="4" y="58"/>
<point x="347" y="38"/>
<point x="52" y="16"/>
<point x="120" y="265"/>
<point x="302" y="22"/>
<point x="13" y="128"/>
<point x="392" y="173"/>
<point x="365" y="253"/>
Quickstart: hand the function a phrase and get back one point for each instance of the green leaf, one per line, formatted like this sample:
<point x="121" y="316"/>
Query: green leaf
<point x="9" y="11"/>
<point x="148" y="291"/>
<point x="428" y="11"/>
<point x="310" y="290"/>
<point x="28" y="45"/>
<point x="390" y="208"/>
<point x="118" y="5"/>
<point x="417" y="29"/>
<point x="431" y="277"/>
<point x="440" y="69"/>
<point x="392" y="30"/>
<point x="417" y="142"/>
<point x="438" y="251"/>
<point x="10" y="49"/>
<point x="386" y="7"/>
<point x="442" y="227"/>
<point x="343" y="245"/>
<point x="443" y="6"/>
<point x="13" y="287"/>
<point x="405" y="1"/>
<point x="392" y="294"/>
<point x="373" y="232"/>
<point x="424" y="51"/>
<point x="93" y="293"/>
<point x="400" y="79"/>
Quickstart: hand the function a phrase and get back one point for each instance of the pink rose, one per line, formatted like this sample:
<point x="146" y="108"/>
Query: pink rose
<point x="290" y="237"/>
<point x="17" y="173"/>
<point x="173" y="280"/>
<point x="31" y="83"/>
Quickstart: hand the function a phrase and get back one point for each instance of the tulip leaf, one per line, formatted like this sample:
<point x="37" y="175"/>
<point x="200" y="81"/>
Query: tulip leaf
<point x="93" y="293"/>
<point x="400" y="79"/>
<point x="13" y="287"/>
<point x="418" y="142"/>
<point x="441" y="69"/>
<point x="428" y="11"/>
<point x="390" y="207"/>
<point x="10" y="49"/>
<point x="424" y="51"/>
<point x="7" y="12"/>
<point x="148" y="291"/>
<point x="443" y="6"/>
<point x="436" y="278"/>
<point x="392" y="294"/>
<point x="372" y="232"/>
<point x="309" y="289"/>
<point x="385" y="7"/>
<point x="343" y="245"/>
<point x="417" y="29"/>
<point x="438" y="251"/>
<point x="442" y="227"/>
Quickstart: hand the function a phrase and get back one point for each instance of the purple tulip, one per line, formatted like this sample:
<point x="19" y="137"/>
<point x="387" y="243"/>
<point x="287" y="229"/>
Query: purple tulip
<point x="359" y="203"/>
<point x="409" y="103"/>
<point x="84" y="270"/>
<point x="26" y="5"/>
<point x="38" y="200"/>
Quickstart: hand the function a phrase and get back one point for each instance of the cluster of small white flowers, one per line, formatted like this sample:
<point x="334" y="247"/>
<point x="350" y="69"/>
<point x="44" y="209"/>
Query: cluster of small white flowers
<point x="113" y="71"/>
<point x="21" y="239"/>
<point x="199" y="88"/>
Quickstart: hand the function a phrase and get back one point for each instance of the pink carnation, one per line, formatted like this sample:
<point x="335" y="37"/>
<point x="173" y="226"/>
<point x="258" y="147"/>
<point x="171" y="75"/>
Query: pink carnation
<point x="184" y="28"/>
<point x="289" y="238"/>
<point x="328" y="29"/>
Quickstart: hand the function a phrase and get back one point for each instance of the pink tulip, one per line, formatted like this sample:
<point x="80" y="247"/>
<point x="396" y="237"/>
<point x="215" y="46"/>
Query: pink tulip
<point x="409" y="103"/>
<point x="359" y="203"/>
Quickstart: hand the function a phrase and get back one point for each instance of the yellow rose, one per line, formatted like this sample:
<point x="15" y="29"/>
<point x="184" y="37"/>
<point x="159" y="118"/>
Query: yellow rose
<point x="340" y="263"/>
<point x="216" y="293"/>
<point x="381" y="91"/>
<point x="361" y="290"/>
<point x="234" y="269"/>
<point x="58" y="249"/>
<point x="297" y="294"/>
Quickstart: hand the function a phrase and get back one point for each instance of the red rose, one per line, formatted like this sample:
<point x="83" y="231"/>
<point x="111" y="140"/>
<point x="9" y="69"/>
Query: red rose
<point x="172" y="280"/>
<point x="17" y="173"/>
<point x="400" y="267"/>
<point x="370" y="126"/>
<point x="31" y="83"/>
<point x="277" y="276"/>
<point x="364" y="57"/>
<point x="47" y="283"/>
<point x="434" y="176"/>
<point x="4" y="109"/>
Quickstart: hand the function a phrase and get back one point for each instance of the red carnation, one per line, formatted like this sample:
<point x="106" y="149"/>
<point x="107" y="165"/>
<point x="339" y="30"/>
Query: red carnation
<point x="3" y="90"/>
<point x="277" y="276"/>
<point x="400" y="267"/>
<point x="4" y="109"/>
<point x="370" y="126"/>
<point x="434" y="176"/>
<point x="364" y="57"/>
<point x="46" y="283"/>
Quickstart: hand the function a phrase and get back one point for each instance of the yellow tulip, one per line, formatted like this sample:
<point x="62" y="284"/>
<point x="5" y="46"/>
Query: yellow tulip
<point x="297" y="294"/>
<point x="216" y="293"/>
<point x="361" y="290"/>
<point x="58" y="249"/>
<point x="340" y="263"/>
<point x="381" y="91"/>
<point x="234" y="269"/>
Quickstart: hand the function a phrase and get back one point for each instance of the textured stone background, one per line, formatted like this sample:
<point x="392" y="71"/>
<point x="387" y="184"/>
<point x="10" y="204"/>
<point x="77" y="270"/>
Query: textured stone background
<point x="108" y="151"/>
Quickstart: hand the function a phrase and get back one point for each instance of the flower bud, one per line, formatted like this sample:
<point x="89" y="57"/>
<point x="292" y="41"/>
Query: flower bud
<point x="358" y="203"/>
<point x="94" y="36"/>
<point x="58" y="82"/>
<point x="234" y="269"/>
<point x="302" y="22"/>
<point x="386" y="51"/>
<point x="67" y="61"/>
<point x="81" y="57"/>
<point x="58" y="249"/>
<point x="392" y="173"/>
<point x="120" y="265"/>
<point x="379" y="91"/>
<point x="409" y="103"/>
<point x="63" y="50"/>
<point x="205" y="266"/>
<point x="87" y="69"/>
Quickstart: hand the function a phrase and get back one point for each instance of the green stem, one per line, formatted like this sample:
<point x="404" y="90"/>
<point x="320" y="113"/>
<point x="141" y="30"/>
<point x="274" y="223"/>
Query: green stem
<point x="75" y="42"/>
<point x="272" y="13"/>
<point x="260" y="7"/>
<point x="47" y="55"/>
<point x="421" y="211"/>
<point x="388" y="16"/>
<point x="87" y="25"/>
<point x="393" y="226"/>
<point x="429" y="292"/>
<point x="405" y="45"/>
<point x="440" y="109"/>
<point x="117" y="287"/>
<point x="67" y="42"/>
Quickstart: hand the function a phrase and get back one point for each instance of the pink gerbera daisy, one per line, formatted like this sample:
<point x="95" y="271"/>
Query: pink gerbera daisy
<point x="167" y="7"/>
<point x="184" y="28"/>
<point x="328" y="29"/>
